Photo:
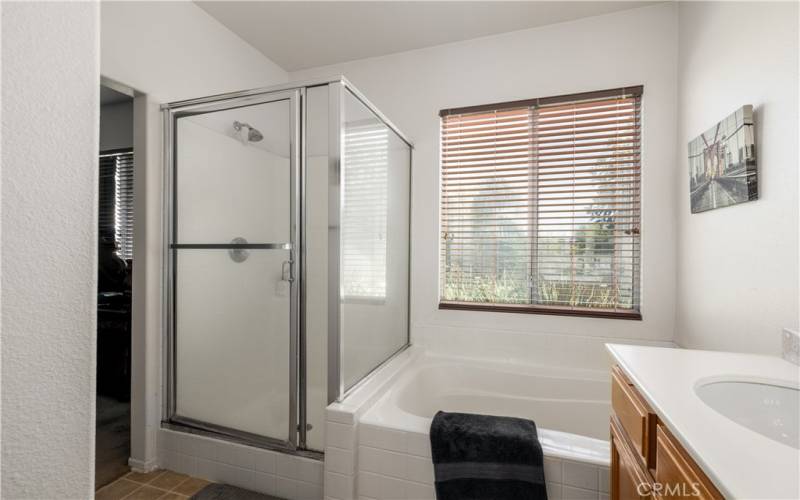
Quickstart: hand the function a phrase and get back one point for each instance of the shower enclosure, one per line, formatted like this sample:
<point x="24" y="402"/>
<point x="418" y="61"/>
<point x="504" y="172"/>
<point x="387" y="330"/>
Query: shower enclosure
<point x="286" y="258"/>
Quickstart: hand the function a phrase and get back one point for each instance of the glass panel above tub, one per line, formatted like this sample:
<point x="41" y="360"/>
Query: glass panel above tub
<point x="374" y="241"/>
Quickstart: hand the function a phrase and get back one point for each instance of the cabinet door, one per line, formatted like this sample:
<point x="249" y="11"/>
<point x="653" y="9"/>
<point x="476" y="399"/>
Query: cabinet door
<point x="676" y="474"/>
<point x="629" y="480"/>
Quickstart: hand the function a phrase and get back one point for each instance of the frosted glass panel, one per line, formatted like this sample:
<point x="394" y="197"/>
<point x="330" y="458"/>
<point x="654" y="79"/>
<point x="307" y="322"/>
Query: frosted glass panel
<point x="232" y="343"/>
<point x="229" y="184"/>
<point x="374" y="241"/>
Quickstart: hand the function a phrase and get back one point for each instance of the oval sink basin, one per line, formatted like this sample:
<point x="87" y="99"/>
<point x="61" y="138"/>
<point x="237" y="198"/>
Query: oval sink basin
<point x="770" y="410"/>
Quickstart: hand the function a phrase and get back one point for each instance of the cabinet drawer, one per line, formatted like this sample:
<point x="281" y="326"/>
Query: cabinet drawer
<point x="634" y="415"/>
<point x="676" y="474"/>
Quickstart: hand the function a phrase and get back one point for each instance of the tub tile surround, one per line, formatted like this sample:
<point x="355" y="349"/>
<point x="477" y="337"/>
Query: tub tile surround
<point x="369" y="461"/>
<point x="397" y="465"/>
<point x="278" y="474"/>
<point x="342" y="435"/>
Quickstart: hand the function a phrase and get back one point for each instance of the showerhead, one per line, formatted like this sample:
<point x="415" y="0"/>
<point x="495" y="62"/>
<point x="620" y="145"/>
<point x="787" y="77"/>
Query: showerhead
<point x="253" y="135"/>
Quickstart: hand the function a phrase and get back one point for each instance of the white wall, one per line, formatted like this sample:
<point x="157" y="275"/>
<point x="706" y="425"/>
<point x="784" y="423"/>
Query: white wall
<point x="50" y="98"/>
<point x="633" y="47"/>
<point x="167" y="51"/>
<point x="738" y="266"/>
<point x="116" y="126"/>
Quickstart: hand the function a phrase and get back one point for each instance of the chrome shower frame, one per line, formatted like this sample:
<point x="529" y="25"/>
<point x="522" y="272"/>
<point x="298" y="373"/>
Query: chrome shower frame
<point x="338" y="85"/>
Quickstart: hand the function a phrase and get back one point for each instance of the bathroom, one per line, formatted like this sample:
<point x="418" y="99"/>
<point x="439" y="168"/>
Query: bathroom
<point x="317" y="275"/>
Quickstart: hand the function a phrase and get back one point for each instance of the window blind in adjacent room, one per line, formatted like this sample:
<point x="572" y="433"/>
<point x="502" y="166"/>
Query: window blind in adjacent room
<point x="116" y="199"/>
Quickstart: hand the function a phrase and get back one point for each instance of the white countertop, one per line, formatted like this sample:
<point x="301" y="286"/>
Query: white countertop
<point x="740" y="462"/>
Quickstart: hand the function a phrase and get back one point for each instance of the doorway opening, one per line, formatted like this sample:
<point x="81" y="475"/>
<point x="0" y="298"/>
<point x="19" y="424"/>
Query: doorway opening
<point x="115" y="275"/>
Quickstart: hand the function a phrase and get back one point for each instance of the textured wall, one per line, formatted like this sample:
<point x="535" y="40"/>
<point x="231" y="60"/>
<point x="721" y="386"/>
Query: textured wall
<point x="50" y="76"/>
<point x="737" y="266"/>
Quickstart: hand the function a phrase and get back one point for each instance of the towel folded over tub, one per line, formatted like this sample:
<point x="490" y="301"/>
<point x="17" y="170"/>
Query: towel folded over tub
<point x="483" y="457"/>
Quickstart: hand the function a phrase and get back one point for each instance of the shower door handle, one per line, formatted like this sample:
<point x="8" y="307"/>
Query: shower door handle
<point x="286" y="271"/>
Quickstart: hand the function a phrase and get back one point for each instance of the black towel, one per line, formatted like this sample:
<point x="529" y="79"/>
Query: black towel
<point x="483" y="457"/>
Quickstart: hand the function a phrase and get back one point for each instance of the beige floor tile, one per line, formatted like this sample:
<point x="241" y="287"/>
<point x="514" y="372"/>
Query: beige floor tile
<point x="116" y="490"/>
<point x="146" y="493"/>
<point x="146" y="477"/>
<point x="173" y="496"/>
<point x="168" y="480"/>
<point x="190" y="486"/>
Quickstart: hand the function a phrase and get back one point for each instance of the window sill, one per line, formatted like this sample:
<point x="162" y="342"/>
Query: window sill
<point x="555" y="311"/>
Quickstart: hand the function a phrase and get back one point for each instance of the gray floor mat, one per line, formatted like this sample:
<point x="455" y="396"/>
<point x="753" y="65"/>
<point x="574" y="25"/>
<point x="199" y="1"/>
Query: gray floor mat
<point x="217" y="491"/>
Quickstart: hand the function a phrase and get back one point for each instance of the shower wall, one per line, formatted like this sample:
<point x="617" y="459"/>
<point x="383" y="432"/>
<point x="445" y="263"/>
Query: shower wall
<point x="228" y="188"/>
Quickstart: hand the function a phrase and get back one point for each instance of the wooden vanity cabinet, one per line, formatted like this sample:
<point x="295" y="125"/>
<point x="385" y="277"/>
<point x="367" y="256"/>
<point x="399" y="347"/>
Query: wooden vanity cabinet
<point x="647" y="462"/>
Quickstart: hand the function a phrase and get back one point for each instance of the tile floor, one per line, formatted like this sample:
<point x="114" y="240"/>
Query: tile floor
<point x="160" y="484"/>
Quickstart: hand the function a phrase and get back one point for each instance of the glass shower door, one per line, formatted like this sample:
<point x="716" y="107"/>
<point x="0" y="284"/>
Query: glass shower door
<point x="233" y="255"/>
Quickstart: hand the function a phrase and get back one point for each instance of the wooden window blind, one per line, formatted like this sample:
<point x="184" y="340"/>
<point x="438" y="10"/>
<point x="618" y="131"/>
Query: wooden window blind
<point x="116" y="199"/>
<point x="540" y="205"/>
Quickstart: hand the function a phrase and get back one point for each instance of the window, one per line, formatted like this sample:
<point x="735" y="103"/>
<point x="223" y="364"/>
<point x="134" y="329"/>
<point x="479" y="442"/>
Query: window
<point x="365" y="177"/>
<point x="116" y="200"/>
<point x="540" y="205"/>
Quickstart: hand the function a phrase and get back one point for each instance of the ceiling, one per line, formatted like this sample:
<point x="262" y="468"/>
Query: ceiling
<point x="300" y="35"/>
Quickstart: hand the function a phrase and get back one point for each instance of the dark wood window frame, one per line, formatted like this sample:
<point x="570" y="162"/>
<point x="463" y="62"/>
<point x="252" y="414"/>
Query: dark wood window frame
<point x="476" y="146"/>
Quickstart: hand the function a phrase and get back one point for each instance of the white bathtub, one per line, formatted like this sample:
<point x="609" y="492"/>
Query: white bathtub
<point x="571" y="409"/>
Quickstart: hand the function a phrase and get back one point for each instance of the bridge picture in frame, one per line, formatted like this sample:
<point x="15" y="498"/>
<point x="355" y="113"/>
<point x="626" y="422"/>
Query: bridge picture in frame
<point x="722" y="163"/>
